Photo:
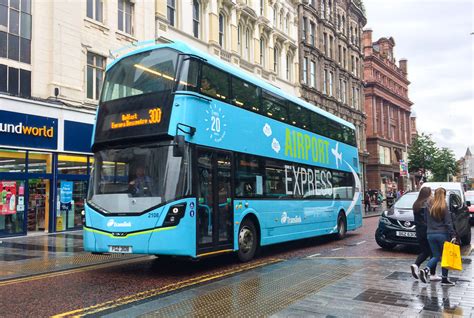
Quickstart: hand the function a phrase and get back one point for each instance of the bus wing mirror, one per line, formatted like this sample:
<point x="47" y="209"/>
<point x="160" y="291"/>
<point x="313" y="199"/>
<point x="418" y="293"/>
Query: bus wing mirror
<point x="178" y="147"/>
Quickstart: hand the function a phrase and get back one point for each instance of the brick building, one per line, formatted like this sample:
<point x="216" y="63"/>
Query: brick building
<point x="388" y="110"/>
<point x="330" y="62"/>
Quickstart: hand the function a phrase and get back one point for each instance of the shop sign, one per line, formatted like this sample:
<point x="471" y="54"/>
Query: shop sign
<point x="25" y="130"/>
<point x="7" y="197"/>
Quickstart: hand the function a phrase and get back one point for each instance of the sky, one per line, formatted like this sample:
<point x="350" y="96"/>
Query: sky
<point x="435" y="37"/>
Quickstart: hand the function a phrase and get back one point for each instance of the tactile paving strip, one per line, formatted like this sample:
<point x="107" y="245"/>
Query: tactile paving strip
<point x="47" y="265"/>
<point x="261" y="295"/>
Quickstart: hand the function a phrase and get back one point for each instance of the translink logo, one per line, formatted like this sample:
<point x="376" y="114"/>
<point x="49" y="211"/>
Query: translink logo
<point x="21" y="129"/>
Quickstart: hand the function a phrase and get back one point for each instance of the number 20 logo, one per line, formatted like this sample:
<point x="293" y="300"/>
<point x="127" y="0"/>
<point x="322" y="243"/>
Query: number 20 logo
<point x="215" y="124"/>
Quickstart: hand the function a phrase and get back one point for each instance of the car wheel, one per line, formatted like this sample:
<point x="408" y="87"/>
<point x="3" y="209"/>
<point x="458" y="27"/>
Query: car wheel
<point x="247" y="241"/>
<point x="341" y="227"/>
<point x="382" y="243"/>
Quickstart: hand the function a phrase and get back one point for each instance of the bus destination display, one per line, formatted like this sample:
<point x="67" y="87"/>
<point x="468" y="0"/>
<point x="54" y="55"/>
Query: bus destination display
<point x="133" y="119"/>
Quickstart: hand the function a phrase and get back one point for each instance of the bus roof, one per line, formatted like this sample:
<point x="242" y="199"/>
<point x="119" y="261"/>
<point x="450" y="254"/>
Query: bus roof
<point x="186" y="49"/>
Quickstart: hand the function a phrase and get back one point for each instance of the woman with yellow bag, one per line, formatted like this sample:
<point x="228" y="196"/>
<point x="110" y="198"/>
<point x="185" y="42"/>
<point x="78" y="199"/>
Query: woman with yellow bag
<point x="439" y="230"/>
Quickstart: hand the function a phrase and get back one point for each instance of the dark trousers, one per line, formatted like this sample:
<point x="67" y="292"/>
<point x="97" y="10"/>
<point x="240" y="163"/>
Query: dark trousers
<point x="436" y="241"/>
<point x="425" y="250"/>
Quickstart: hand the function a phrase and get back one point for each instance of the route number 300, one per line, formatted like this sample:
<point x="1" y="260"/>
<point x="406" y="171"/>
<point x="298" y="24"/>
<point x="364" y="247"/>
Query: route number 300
<point x="155" y="115"/>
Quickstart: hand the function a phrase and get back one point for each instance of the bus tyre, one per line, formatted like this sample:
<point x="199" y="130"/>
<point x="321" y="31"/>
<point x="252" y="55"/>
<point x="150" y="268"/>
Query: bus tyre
<point x="247" y="241"/>
<point x="341" y="227"/>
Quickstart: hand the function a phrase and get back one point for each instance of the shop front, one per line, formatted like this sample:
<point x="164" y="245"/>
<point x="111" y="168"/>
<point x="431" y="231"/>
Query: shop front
<point x="45" y="164"/>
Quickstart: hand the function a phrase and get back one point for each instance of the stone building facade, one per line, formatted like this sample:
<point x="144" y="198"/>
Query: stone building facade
<point x="258" y="36"/>
<point x="388" y="110"/>
<point x="331" y="62"/>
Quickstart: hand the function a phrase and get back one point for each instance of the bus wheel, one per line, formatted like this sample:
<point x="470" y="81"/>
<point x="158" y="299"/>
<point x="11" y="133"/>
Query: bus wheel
<point x="247" y="241"/>
<point x="341" y="227"/>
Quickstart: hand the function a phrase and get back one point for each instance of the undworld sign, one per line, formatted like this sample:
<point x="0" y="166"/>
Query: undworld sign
<point x="24" y="130"/>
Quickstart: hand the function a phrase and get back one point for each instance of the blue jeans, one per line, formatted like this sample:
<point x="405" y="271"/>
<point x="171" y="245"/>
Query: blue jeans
<point x="436" y="241"/>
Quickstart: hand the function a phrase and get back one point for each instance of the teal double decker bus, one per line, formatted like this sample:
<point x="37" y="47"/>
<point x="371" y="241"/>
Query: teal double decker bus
<point x="194" y="157"/>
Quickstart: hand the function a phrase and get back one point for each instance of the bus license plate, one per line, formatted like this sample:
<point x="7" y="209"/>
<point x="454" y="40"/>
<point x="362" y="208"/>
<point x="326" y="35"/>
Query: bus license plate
<point x="406" y="234"/>
<point x="120" y="249"/>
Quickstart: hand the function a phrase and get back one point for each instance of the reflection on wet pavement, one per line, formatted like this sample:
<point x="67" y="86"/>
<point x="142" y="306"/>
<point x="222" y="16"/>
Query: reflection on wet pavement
<point x="326" y="287"/>
<point x="30" y="255"/>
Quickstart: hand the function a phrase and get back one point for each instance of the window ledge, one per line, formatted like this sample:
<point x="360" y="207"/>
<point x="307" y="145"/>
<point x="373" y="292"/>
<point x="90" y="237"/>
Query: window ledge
<point x="125" y="36"/>
<point x="96" y="25"/>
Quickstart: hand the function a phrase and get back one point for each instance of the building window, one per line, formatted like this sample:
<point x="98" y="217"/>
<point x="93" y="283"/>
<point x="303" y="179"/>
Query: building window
<point x="239" y="39"/>
<point x="289" y="62"/>
<point x="95" y="75"/>
<point x="247" y="44"/>
<point x="344" y="92"/>
<point x="221" y="30"/>
<point x="353" y="96"/>
<point x="15" y="30"/>
<point x="262" y="51"/>
<point x="15" y="81"/>
<point x="275" y="16"/>
<point x="323" y="8"/>
<point x="343" y="23"/>
<point x="276" y="62"/>
<point x="352" y="64"/>
<point x="125" y="16"/>
<point x="287" y="23"/>
<point x="339" y="52"/>
<point x="262" y="7"/>
<point x="313" y="74"/>
<point x="196" y="18"/>
<point x="304" y="29"/>
<point x="313" y="34"/>
<point x="325" y="82"/>
<point x="331" y="45"/>
<point x="171" y="9"/>
<point x="357" y="66"/>
<point x="344" y="56"/>
<point x="305" y="70"/>
<point x="281" y="20"/>
<point x="325" y="43"/>
<point x="94" y="9"/>
<point x="330" y="83"/>
<point x="357" y="97"/>
<point x="339" y="96"/>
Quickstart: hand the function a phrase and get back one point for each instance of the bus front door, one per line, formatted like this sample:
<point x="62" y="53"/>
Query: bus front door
<point x="214" y="213"/>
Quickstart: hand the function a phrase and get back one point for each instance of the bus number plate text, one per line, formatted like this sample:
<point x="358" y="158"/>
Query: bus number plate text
<point x="120" y="249"/>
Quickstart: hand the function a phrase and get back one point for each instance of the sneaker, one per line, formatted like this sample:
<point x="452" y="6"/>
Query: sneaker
<point x="447" y="282"/>
<point x="425" y="275"/>
<point x="435" y="278"/>
<point x="414" y="271"/>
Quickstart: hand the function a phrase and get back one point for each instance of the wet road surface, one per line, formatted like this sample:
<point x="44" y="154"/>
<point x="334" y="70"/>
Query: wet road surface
<point x="108" y="287"/>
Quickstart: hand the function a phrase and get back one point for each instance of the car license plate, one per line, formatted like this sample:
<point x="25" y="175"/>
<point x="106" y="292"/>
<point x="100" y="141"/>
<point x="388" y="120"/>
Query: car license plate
<point x="120" y="249"/>
<point x="406" y="234"/>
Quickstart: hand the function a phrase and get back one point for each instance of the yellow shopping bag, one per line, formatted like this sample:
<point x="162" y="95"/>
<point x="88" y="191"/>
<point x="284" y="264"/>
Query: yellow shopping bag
<point x="451" y="258"/>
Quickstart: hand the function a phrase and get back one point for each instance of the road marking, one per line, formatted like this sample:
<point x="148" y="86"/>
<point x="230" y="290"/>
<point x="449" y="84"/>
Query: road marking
<point x="361" y="242"/>
<point x="71" y="271"/>
<point x="158" y="291"/>
<point x="337" y="249"/>
<point x="314" y="255"/>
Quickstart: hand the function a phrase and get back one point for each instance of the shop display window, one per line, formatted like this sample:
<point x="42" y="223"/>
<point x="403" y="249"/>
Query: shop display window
<point x="12" y="161"/>
<point x="12" y="206"/>
<point x="70" y="203"/>
<point x="39" y="162"/>
<point x="72" y="164"/>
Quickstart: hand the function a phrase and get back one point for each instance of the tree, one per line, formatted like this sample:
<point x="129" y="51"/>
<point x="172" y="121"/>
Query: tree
<point x="444" y="165"/>
<point x="422" y="154"/>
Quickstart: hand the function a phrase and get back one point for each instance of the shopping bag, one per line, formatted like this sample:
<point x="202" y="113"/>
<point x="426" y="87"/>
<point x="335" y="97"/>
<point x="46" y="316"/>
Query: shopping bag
<point x="451" y="258"/>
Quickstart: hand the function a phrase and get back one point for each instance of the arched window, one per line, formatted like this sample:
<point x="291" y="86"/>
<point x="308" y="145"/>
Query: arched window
<point x="329" y="9"/>
<point x="289" y="66"/>
<point x="247" y="44"/>
<point x="262" y="7"/>
<point x="262" y="51"/>
<point x="239" y="39"/>
<point x="323" y="8"/>
<point x="343" y="26"/>
<point x="196" y="18"/>
<point x="287" y="23"/>
<point x="221" y="30"/>
<point x="282" y="16"/>
<point x="275" y="13"/>
<point x="276" y="59"/>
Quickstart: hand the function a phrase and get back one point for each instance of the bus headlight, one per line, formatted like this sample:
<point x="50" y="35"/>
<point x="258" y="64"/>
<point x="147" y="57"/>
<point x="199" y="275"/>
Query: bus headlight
<point x="175" y="214"/>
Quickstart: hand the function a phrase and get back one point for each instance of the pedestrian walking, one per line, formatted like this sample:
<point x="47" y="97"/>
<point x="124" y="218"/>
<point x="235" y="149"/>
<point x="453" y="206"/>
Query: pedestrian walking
<point x="420" y="208"/>
<point x="439" y="229"/>
<point x="367" y="201"/>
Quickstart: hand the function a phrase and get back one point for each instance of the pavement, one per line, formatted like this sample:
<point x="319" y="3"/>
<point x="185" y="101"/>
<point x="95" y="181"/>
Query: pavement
<point x="348" y="278"/>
